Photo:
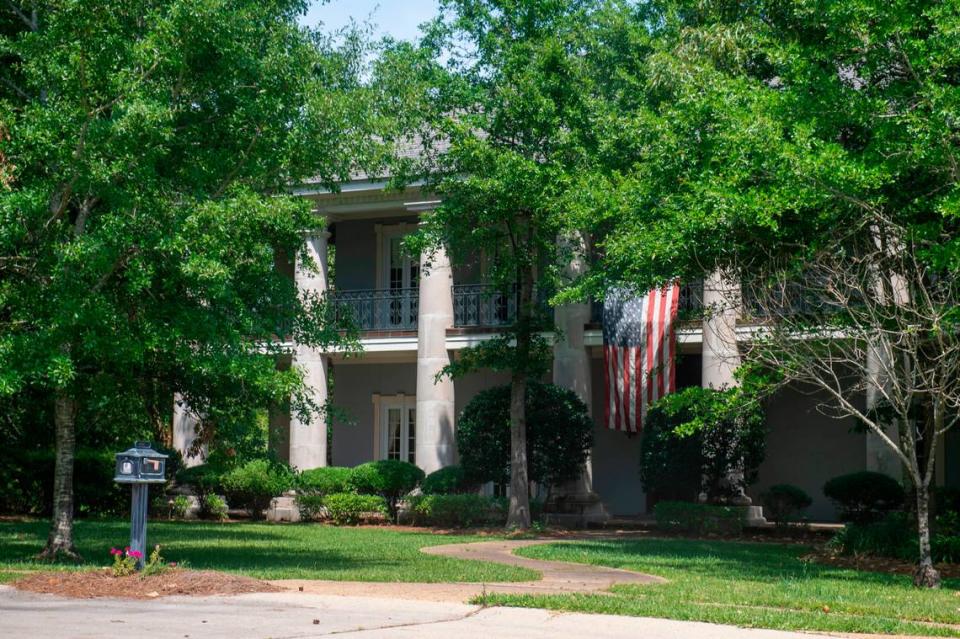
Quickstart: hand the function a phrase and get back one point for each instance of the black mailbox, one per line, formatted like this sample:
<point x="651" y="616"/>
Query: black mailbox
<point x="141" y="465"/>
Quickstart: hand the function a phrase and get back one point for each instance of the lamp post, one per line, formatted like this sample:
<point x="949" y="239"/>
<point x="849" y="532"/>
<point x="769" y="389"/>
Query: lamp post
<point x="140" y="466"/>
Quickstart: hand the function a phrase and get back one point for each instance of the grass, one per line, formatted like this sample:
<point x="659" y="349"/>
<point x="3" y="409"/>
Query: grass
<point x="760" y="585"/>
<point x="268" y="551"/>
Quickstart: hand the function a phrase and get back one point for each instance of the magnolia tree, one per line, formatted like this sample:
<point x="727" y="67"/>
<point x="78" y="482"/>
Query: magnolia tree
<point x="870" y="317"/>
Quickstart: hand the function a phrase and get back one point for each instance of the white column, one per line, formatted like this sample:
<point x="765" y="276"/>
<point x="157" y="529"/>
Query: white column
<point x="880" y="457"/>
<point x="571" y="360"/>
<point x="721" y="302"/>
<point x="185" y="423"/>
<point x="308" y="441"/>
<point x="435" y="442"/>
<point x="575" y="503"/>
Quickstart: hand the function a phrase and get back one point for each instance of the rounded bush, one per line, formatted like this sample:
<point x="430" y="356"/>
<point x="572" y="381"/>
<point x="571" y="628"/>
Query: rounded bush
<point x="782" y="503"/>
<point x="865" y="496"/>
<point x="391" y="479"/>
<point x="559" y="435"/>
<point x="459" y="511"/>
<point x="697" y="441"/>
<point x="253" y="485"/>
<point x="215" y="507"/>
<point x="350" y="508"/>
<point x="311" y="506"/>
<point x="449" y="480"/>
<point x="325" y="480"/>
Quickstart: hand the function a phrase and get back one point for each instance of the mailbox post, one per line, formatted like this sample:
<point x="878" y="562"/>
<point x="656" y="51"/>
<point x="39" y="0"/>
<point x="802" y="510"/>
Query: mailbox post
<point x="140" y="466"/>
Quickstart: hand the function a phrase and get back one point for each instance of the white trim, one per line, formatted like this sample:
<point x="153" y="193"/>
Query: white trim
<point x="354" y="186"/>
<point x="376" y="425"/>
<point x="405" y="403"/>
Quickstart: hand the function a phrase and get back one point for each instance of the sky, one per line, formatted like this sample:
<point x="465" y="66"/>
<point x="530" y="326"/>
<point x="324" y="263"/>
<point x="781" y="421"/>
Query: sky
<point x="397" y="18"/>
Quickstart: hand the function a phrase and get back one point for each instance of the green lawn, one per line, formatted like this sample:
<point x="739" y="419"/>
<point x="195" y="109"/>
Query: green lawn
<point x="749" y="584"/>
<point x="270" y="551"/>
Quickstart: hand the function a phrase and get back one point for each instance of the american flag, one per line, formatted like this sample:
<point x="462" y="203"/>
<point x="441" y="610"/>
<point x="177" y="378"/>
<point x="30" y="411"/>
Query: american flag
<point x="639" y="351"/>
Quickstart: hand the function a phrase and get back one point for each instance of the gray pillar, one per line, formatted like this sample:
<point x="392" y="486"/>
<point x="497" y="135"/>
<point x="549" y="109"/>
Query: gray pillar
<point x="185" y="423"/>
<point x="308" y="441"/>
<point x="721" y="301"/>
<point x="721" y="356"/>
<point x="880" y="457"/>
<point x="575" y="502"/>
<point x="435" y="443"/>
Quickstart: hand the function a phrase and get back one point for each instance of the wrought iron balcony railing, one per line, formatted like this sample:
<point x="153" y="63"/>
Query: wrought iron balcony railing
<point x="378" y="309"/>
<point x="483" y="305"/>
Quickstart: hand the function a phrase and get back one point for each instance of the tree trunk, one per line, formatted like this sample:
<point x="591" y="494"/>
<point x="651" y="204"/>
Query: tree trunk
<point x="60" y="542"/>
<point x="926" y="575"/>
<point x="518" y="517"/>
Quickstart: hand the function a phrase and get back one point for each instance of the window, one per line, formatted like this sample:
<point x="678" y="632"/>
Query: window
<point x="398" y="428"/>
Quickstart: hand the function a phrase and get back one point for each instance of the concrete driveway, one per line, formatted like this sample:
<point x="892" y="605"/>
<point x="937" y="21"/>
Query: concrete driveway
<point x="295" y="615"/>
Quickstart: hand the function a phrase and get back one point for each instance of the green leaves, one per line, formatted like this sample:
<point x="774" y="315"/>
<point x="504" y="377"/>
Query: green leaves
<point x="146" y="241"/>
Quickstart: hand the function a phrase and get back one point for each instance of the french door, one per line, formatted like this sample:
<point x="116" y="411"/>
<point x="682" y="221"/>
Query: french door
<point x="401" y="278"/>
<point x="398" y="429"/>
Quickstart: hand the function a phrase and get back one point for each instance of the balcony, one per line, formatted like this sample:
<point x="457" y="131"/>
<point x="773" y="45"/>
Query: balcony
<point x="377" y="309"/>
<point x="482" y="305"/>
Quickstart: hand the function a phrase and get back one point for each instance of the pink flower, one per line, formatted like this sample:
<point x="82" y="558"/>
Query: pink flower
<point x="114" y="551"/>
<point x="136" y="554"/>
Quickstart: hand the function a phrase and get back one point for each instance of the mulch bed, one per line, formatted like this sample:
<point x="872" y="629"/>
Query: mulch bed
<point x="102" y="583"/>
<point x="878" y="564"/>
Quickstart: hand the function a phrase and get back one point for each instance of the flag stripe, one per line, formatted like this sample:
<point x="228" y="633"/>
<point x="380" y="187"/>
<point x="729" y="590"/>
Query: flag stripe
<point x="639" y="350"/>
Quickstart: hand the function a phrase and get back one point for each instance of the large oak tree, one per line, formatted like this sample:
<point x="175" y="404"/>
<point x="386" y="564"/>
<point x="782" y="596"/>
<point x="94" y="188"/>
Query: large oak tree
<point x="145" y="148"/>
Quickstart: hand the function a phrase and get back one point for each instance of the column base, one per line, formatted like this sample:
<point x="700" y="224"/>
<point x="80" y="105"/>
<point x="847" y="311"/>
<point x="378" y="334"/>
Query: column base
<point x="575" y="510"/>
<point x="284" y="508"/>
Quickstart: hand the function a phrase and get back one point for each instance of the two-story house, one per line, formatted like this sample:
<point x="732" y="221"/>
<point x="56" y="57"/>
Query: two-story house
<point x="414" y="321"/>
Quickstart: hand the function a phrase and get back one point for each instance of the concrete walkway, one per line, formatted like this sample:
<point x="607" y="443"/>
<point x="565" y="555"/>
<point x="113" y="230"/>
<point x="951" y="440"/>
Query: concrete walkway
<point x="557" y="577"/>
<point x="298" y="615"/>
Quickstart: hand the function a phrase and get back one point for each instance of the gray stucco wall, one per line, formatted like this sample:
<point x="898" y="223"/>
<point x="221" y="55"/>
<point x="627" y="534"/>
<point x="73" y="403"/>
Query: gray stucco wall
<point x="615" y="457"/>
<point x="806" y="448"/>
<point x="356" y="261"/>
<point x="355" y="385"/>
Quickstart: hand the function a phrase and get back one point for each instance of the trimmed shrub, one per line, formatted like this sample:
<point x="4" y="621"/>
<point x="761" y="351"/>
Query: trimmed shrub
<point x="783" y="503"/>
<point x="204" y="482"/>
<point x="559" y="435"/>
<point x="449" y="480"/>
<point x="893" y="535"/>
<point x="216" y="507"/>
<point x="391" y="479"/>
<point x="179" y="507"/>
<point x="458" y="511"/>
<point x="324" y="481"/>
<point x="698" y="519"/>
<point x="311" y="506"/>
<point x="350" y="508"/>
<point x="253" y="485"/>
<point x="865" y="496"/>
<point x="698" y="440"/>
